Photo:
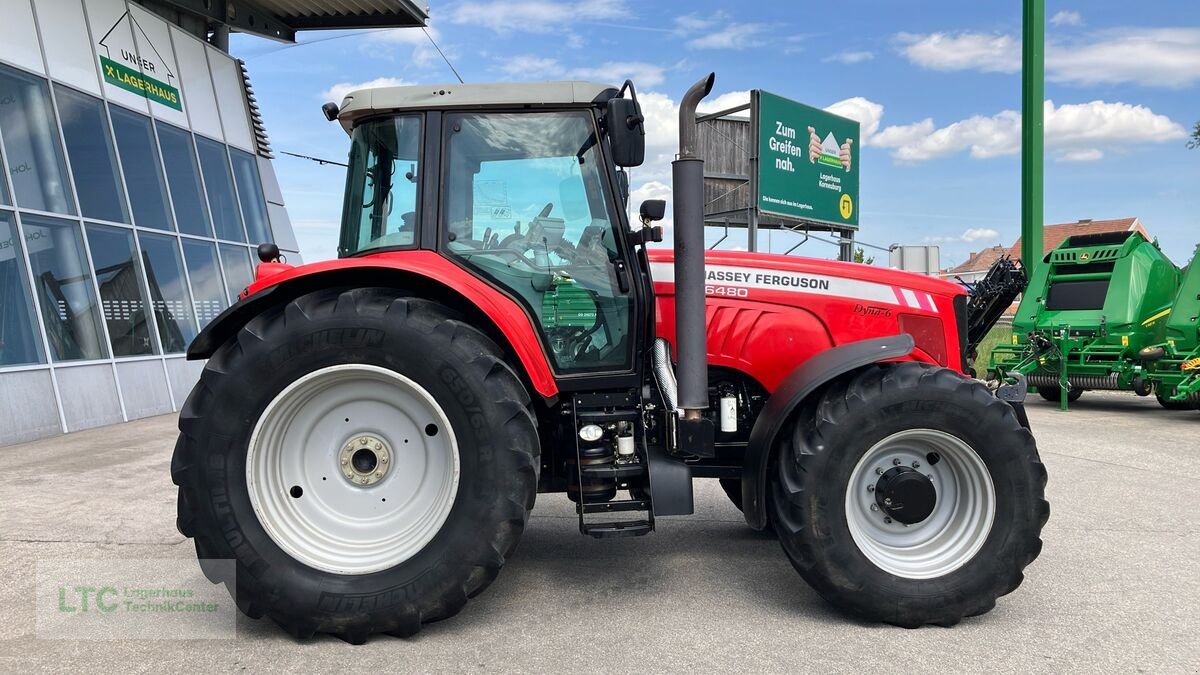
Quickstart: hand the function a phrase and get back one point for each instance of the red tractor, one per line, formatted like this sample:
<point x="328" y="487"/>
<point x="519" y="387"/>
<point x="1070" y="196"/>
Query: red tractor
<point x="369" y="434"/>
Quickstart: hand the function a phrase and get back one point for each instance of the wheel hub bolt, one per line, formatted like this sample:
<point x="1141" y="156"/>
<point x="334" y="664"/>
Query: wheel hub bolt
<point x="878" y="471"/>
<point x="916" y="465"/>
<point x="887" y="520"/>
<point x="874" y="507"/>
<point x="896" y="462"/>
<point x="870" y="488"/>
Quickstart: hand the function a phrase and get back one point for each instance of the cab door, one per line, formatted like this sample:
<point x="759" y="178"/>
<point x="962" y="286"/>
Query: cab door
<point x="528" y="205"/>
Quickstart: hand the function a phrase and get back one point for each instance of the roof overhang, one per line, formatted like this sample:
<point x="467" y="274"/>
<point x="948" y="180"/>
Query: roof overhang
<point x="282" y="19"/>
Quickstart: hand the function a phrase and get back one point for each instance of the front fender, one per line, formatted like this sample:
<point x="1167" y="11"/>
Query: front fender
<point x="420" y="273"/>
<point x="802" y="382"/>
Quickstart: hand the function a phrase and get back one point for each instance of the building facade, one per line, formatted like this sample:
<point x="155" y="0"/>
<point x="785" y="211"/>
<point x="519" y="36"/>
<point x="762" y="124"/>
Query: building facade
<point x="136" y="184"/>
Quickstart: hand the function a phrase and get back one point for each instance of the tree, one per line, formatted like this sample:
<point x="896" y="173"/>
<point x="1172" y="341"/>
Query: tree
<point x="1195" y="141"/>
<point x="860" y="256"/>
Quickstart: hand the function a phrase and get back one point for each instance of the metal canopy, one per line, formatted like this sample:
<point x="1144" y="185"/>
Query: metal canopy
<point x="282" y="19"/>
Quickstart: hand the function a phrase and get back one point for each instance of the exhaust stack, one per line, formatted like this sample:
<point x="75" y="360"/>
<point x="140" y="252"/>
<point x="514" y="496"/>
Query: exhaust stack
<point x="687" y="174"/>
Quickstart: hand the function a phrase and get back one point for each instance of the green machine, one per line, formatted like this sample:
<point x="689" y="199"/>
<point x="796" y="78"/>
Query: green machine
<point x="1173" y="365"/>
<point x="1089" y="311"/>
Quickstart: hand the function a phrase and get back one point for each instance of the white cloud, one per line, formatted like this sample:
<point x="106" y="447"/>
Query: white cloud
<point x="616" y="72"/>
<point x="529" y="67"/>
<point x="1066" y="18"/>
<point x="534" y="16"/>
<point x="1089" y="155"/>
<point x="1155" y="57"/>
<point x="866" y="112"/>
<point x="979" y="234"/>
<point x="730" y="99"/>
<point x="388" y="42"/>
<point x="338" y="91"/>
<point x="971" y="235"/>
<point x="1075" y="131"/>
<point x="849" y="58"/>
<point x="731" y="36"/>
<point x="962" y="51"/>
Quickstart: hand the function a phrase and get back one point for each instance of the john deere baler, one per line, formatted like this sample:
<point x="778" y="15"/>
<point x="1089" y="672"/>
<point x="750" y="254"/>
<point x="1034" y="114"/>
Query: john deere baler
<point x="1084" y="317"/>
<point x="1173" y="366"/>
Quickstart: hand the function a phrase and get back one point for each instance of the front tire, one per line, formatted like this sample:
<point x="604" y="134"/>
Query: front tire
<point x="284" y="453"/>
<point x="955" y="480"/>
<point x="1168" y="404"/>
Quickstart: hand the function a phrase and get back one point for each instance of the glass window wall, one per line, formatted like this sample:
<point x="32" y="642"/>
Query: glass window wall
<point x="238" y="270"/>
<point x="143" y="173"/>
<point x="214" y="162"/>
<point x="183" y="176"/>
<point x="66" y="292"/>
<point x="19" y="342"/>
<point x="93" y="160"/>
<point x="35" y="158"/>
<point x="207" y="287"/>
<point x="168" y="291"/>
<point x="122" y="290"/>
<point x="250" y="194"/>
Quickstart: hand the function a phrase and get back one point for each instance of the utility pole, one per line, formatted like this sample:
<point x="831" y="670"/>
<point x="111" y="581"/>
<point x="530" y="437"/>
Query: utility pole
<point x="1033" y="93"/>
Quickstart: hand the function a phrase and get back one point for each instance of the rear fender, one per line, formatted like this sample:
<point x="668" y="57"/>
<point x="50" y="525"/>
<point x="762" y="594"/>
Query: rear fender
<point x="421" y="274"/>
<point x="807" y="379"/>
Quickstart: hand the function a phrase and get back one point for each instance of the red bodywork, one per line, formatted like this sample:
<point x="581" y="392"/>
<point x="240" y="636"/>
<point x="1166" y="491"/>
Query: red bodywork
<point x="767" y="314"/>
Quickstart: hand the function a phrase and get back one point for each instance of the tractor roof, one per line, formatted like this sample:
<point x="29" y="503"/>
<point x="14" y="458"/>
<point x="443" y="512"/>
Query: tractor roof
<point x="367" y="102"/>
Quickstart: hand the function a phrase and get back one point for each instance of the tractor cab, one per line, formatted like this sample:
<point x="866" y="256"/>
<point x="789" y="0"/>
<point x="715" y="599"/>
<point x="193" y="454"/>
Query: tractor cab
<point x="525" y="196"/>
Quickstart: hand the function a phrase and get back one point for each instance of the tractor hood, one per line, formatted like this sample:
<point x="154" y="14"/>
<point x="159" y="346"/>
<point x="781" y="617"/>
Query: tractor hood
<point x="773" y="272"/>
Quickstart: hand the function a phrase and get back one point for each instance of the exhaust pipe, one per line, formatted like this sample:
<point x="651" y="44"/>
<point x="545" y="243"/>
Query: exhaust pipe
<point x="687" y="174"/>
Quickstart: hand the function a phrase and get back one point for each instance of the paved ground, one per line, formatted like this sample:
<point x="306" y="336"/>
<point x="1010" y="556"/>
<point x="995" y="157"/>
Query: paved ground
<point x="1117" y="587"/>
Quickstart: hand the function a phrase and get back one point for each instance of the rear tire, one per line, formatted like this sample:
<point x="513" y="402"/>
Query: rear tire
<point x="451" y="537"/>
<point x="953" y="562"/>
<point x="1052" y="394"/>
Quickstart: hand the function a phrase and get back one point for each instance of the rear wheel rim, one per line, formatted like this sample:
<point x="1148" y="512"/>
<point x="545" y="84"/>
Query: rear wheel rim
<point x="959" y="523"/>
<point x="352" y="469"/>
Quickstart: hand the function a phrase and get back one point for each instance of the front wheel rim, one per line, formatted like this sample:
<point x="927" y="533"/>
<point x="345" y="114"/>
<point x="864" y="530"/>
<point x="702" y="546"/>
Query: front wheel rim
<point x="961" y="518"/>
<point x="352" y="469"/>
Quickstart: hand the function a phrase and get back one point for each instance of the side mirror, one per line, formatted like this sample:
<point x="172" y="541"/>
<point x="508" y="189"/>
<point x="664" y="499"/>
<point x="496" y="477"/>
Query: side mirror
<point x="653" y="210"/>
<point x="331" y="110"/>
<point x="626" y="131"/>
<point x="268" y="253"/>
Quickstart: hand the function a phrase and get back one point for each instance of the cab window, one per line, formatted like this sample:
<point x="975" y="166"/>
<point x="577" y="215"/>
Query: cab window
<point x="525" y="205"/>
<point x="380" y="209"/>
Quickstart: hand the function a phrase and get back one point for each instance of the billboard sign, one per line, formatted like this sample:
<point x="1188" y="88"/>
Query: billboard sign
<point x="807" y="162"/>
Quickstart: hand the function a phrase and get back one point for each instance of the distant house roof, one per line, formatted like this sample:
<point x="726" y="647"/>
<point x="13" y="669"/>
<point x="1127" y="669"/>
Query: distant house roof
<point x="1057" y="234"/>
<point x="978" y="261"/>
<point x="1053" y="236"/>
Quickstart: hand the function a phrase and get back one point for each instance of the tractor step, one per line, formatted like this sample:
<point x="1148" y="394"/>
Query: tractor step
<point x="633" y="528"/>
<point x="618" y="506"/>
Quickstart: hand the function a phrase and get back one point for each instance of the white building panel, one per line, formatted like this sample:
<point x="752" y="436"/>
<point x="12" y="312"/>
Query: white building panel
<point x="153" y="37"/>
<point x="231" y="99"/>
<point x="200" y="101"/>
<point x="19" y="37"/>
<point x="68" y="47"/>
<point x="112" y="39"/>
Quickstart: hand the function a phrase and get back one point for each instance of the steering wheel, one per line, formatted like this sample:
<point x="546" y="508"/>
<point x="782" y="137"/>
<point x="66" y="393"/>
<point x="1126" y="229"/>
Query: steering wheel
<point x="512" y="240"/>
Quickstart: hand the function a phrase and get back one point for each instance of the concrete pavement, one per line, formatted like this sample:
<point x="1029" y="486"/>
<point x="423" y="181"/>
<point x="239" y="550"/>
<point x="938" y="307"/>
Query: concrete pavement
<point x="1116" y="589"/>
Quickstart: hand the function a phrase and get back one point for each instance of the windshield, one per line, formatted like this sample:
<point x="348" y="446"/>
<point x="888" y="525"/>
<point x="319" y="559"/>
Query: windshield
<point x="381" y="185"/>
<point x="525" y="204"/>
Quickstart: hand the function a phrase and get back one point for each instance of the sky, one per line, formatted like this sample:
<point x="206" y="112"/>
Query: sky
<point x="935" y="85"/>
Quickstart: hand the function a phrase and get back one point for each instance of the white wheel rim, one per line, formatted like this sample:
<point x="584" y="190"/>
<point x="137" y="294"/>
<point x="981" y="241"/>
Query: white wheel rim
<point x="355" y="523"/>
<point x="956" y="528"/>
